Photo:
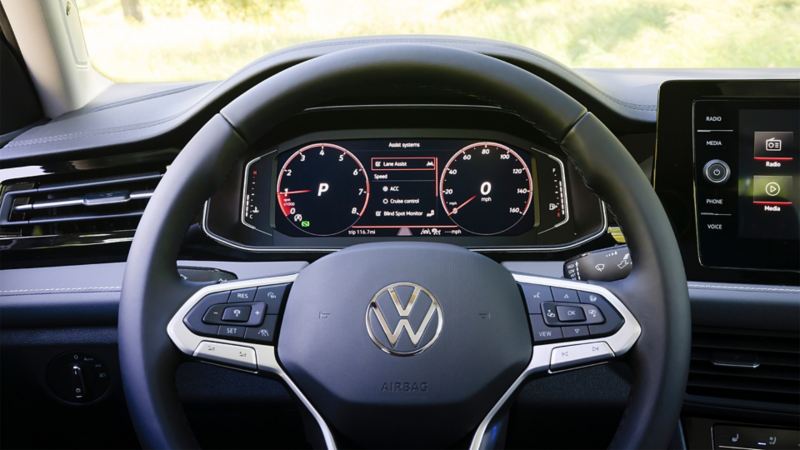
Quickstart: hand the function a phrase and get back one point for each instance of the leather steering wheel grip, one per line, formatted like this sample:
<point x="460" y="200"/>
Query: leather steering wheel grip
<point x="656" y="291"/>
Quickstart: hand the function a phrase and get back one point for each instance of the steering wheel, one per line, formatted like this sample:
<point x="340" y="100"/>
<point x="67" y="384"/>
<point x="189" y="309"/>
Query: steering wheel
<point x="404" y="344"/>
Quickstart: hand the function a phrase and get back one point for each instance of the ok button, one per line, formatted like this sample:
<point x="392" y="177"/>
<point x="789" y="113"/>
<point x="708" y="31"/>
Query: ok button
<point x="570" y="314"/>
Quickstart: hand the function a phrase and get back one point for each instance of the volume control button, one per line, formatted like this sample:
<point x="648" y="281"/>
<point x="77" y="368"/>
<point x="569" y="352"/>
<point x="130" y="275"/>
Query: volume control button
<point x="717" y="171"/>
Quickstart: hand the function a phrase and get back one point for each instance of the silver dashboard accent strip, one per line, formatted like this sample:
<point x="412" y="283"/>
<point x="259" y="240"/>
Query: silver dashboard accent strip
<point x="84" y="201"/>
<point x="620" y="343"/>
<point x="266" y="359"/>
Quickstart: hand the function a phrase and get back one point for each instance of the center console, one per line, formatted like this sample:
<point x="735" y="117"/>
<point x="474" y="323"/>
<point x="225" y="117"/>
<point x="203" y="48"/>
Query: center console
<point x="728" y="172"/>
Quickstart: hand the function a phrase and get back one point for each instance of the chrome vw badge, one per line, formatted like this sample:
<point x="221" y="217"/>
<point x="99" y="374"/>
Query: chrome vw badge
<point x="404" y="319"/>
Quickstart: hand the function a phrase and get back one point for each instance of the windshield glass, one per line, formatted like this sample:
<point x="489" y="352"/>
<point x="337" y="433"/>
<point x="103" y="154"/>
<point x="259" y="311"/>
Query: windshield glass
<point x="172" y="40"/>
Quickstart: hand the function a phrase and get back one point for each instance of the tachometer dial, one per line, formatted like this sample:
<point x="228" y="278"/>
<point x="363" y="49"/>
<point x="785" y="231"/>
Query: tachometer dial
<point x="486" y="188"/>
<point x="323" y="189"/>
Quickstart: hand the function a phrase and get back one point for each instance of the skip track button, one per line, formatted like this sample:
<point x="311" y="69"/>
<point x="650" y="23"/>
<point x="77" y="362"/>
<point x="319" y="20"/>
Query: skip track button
<point x="579" y="354"/>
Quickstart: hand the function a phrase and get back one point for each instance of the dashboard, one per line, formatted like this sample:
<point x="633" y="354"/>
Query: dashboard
<point x="486" y="189"/>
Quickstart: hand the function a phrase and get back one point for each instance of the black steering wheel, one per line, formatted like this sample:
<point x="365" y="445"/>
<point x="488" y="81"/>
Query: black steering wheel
<point x="404" y="344"/>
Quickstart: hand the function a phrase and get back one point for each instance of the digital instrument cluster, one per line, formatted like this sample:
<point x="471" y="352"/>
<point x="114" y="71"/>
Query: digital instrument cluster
<point x="323" y="190"/>
<point x="414" y="187"/>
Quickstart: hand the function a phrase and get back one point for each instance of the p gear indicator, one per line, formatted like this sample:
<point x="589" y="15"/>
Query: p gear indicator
<point x="322" y="189"/>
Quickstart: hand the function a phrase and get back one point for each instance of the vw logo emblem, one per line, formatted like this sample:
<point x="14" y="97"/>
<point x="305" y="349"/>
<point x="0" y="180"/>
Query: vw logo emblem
<point x="404" y="319"/>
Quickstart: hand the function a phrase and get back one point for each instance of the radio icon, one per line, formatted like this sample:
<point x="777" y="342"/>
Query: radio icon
<point x="773" y="145"/>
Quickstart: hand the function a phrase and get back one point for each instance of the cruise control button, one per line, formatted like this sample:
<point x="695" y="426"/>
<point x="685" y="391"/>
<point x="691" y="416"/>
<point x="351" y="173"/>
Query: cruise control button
<point x="236" y="314"/>
<point x="535" y="295"/>
<point x="575" y="332"/>
<point x="570" y="313"/>
<point x="236" y="355"/>
<point x="194" y="319"/>
<point x="565" y="295"/>
<point x="214" y="314"/>
<point x="257" y="314"/>
<point x="242" y="295"/>
<point x="579" y="354"/>
<point x="231" y="331"/>
<point x="541" y="332"/>
<point x="264" y="334"/>
<point x="273" y="296"/>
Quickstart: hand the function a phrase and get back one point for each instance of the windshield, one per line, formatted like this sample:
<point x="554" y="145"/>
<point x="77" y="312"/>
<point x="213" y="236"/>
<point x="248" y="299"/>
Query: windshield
<point x="172" y="40"/>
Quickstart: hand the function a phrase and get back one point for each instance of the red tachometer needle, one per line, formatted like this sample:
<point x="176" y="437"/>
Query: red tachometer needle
<point x="455" y="210"/>
<point x="301" y="191"/>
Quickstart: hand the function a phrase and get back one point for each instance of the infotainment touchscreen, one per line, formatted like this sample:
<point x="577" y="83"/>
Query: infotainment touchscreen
<point x="747" y="182"/>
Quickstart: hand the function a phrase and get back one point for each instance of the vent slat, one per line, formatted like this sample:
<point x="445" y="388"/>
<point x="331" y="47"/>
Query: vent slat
<point x="760" y="373"/>
<point x="783" y="359"/>
<point x="788" y="391"/>
<point x="769" y="372"/>
<point x="89" y="205"/>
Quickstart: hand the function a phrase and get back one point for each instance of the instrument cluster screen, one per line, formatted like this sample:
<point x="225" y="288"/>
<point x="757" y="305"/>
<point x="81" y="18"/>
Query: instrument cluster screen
<point x="414" y="187"/>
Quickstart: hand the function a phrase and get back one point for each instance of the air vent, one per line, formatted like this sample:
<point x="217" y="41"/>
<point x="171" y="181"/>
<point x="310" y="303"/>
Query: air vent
<point x="746" y="365"/>
<point x="87" y="206"/>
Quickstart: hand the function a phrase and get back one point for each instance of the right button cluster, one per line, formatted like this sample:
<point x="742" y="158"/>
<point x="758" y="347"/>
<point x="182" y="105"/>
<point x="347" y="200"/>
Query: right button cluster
<point x="560" y="314"/>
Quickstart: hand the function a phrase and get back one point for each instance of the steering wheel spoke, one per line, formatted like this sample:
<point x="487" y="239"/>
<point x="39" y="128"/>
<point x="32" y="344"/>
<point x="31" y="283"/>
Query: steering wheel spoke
<point x="573" y="325"/>
<point x="242" y="317"/>
<point x="235" y="325"/>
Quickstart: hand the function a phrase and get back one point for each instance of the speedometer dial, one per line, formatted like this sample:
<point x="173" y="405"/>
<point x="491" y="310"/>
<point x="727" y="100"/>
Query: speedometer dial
<point x="322" y="189"/>
<point x="486" y="188"/>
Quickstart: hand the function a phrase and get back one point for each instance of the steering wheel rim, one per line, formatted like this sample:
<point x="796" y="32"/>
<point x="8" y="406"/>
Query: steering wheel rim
<point x="655" y="292"/>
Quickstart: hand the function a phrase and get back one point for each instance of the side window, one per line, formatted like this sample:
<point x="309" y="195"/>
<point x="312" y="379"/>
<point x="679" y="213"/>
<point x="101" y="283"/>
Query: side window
<point x="19" y="105"/>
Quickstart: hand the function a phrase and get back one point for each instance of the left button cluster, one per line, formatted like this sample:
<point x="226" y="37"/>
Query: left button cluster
<point x="249" y="314"/>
